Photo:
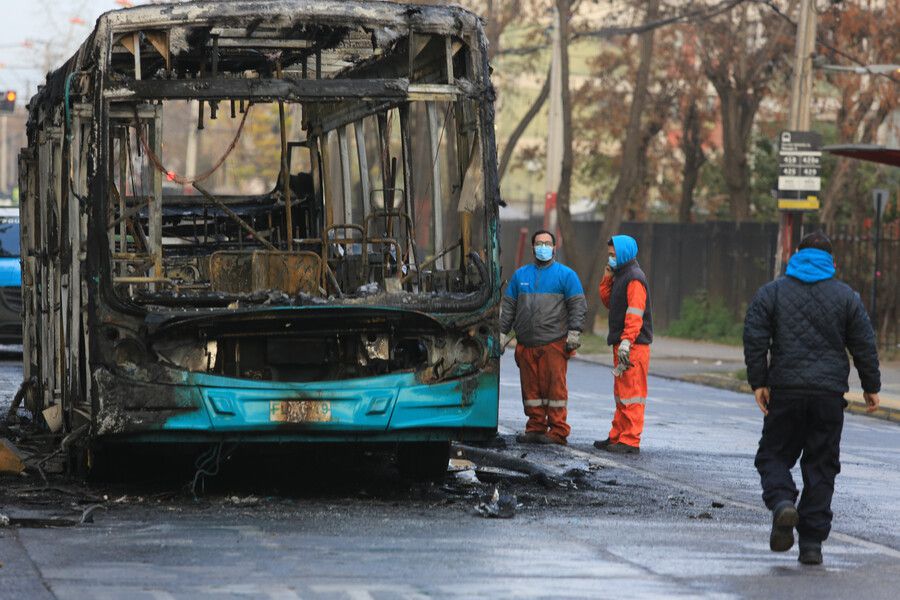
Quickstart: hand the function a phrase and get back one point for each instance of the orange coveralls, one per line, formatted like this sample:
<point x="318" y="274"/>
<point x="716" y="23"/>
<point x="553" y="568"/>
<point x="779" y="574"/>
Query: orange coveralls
<point x="630" y="389"/>
<point x="542" y="372"/>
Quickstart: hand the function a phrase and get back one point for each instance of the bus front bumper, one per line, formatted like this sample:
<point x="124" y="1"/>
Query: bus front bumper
<point x="395" y="407"/>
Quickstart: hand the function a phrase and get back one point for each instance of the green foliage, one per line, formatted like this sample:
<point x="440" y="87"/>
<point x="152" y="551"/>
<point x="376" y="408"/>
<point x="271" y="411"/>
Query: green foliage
<point x="703" y="318"/>
<point x="764" y="178"/>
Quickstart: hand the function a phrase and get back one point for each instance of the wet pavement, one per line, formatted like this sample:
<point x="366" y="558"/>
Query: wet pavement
<point x="683" y="519"/>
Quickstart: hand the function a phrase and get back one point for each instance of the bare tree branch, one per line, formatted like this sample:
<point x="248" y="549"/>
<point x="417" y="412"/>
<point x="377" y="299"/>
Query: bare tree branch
<point x="523" y="125"/>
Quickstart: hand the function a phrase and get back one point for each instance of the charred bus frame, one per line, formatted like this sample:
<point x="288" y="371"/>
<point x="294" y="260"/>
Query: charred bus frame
<point x="354" y="300"/>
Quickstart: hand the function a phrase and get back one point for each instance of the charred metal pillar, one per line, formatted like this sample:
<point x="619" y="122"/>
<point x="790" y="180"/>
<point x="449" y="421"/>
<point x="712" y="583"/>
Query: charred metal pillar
<point x="436" y="183"/>
<point x="156" y="250"/>
<point x="365" y="184"/>
<point x="346" y="183"/>
<point x="285" y="175"/>
<point x="409" y="200"/>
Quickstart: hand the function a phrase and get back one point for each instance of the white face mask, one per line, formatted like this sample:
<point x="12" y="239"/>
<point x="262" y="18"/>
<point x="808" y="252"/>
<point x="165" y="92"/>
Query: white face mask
<point x="612" y="262"/>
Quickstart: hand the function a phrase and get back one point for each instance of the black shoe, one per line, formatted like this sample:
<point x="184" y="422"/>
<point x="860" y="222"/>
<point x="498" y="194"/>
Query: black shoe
<point x="602" y="444"/>
<point x="810" y="553"/>
<point x="784" y="518"/>
<point x="620" y="448"/>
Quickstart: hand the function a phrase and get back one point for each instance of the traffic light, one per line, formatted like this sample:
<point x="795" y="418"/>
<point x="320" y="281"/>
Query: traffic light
<point x="8" y="102"/>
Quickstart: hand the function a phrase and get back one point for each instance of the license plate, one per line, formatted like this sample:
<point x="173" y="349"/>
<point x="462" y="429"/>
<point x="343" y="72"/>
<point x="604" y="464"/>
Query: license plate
<point x="300" y="411"/>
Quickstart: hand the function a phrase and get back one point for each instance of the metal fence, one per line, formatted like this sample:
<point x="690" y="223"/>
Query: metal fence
<point x="854" y="253"/>
<point x="728" y="262"/>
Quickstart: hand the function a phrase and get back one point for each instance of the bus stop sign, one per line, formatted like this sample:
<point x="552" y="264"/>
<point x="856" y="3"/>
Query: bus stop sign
<point x="799" y="170"/>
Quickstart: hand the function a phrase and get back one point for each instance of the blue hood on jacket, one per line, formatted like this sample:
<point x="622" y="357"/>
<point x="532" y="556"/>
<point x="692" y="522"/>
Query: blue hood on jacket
<point x="811" y="265"/>
<point x="626" y="249"/>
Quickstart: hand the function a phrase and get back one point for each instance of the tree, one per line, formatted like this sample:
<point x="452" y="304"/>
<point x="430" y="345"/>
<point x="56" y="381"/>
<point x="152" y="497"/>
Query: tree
<point x="523" y="124"/>
<point x="695" y="115"/>
<point x="501" y="16"/>
<point x="869" y="32"/>
<point x="694" y="157"/>
<point x="742" y="52"/>
<point x="637" y="135"/>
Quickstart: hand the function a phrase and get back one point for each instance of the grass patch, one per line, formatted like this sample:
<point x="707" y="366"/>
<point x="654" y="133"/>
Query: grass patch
<point x="704" y="318"/>
<point x="592" y="343"/>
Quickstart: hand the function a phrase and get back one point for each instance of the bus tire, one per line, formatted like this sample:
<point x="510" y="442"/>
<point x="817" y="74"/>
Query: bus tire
<point x="423" y="461"/>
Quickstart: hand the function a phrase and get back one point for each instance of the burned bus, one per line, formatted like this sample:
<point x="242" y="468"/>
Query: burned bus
<point x="265" y="221"/>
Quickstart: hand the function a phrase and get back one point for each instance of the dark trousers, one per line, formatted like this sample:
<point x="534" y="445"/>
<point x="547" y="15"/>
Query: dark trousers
<point x="808" y="428"/>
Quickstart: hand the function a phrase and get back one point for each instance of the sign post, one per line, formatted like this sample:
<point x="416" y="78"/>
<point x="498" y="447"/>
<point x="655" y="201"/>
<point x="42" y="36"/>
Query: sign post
<point x="799" y="183"/>
<point x="879" y="199"/>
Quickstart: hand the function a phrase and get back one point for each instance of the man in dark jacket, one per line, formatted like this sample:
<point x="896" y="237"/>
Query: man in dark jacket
<point x="544" y="303"/>
<point x="796" y="334"/>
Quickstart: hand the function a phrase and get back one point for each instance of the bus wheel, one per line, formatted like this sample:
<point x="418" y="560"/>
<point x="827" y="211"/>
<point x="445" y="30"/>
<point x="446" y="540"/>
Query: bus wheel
<point x="423" y="461"/>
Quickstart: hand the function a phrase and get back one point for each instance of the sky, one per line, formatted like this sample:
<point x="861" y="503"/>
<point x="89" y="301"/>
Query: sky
<point x="45" y="23"/>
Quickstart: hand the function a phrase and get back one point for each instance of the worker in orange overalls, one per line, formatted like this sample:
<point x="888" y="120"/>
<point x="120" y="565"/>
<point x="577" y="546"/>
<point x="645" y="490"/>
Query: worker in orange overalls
<point x="544" y="303"/>
<point x="624" y="291"/>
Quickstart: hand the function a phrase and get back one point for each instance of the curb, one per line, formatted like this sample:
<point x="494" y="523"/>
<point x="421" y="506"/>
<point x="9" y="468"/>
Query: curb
<point x="855" y="403"/>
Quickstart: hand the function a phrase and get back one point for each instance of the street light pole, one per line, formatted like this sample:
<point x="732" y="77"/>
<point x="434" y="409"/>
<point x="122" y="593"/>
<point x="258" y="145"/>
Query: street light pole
<point x="554" y="128"/>
<point x="799" y="118"/>
<point x="880" y="199"/>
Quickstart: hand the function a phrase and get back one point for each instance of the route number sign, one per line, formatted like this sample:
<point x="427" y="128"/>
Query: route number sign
<point x="799" y="170"/>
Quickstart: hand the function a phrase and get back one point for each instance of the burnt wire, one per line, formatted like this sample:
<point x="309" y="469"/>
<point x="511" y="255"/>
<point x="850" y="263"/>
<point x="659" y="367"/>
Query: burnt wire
<point x="172" y="175"/>
<point x="208" y="464"/>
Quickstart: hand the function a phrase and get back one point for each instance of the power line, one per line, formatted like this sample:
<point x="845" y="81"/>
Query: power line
<point x="687" y="17"/>
<point x="691" y="16"/>
<point x="770" y="4"/>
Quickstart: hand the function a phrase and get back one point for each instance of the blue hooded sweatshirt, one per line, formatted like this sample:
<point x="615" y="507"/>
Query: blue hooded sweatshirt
<point x="626" y="249"/>
<point x="810" y="265"/>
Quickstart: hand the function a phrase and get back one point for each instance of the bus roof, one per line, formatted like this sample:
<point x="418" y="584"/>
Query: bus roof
<point x="444" y="18"/>
<point x="391" y="20"/>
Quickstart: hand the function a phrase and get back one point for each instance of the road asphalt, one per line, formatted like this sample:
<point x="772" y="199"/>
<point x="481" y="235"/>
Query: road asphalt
<point x="681" y="520"/>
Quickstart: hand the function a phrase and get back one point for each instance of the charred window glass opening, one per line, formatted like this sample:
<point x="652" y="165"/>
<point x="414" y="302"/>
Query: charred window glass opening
<point x="292" y="165"/>
<point x="9" y="237"/>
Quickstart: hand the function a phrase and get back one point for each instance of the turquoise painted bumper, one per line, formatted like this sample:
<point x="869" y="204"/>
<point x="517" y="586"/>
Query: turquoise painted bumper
<point x="385" y="408"/>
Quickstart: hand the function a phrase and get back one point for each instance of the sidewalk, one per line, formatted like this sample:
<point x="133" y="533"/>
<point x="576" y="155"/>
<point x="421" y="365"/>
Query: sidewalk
<point x="718" y="365"/>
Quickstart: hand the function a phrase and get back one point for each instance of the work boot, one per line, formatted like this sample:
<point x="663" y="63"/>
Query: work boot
<point x="784" y="518"/>
<point x="602" y="444"/>
<point x="810" y="553"/>
<point x="533" y="437"/>
<point x="620" y="448"/>
<point x="556" y="439"/>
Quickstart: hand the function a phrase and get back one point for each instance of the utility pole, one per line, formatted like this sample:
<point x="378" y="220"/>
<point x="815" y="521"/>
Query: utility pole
<point x="554" y="130"/>
<point x="799" y="119"/>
